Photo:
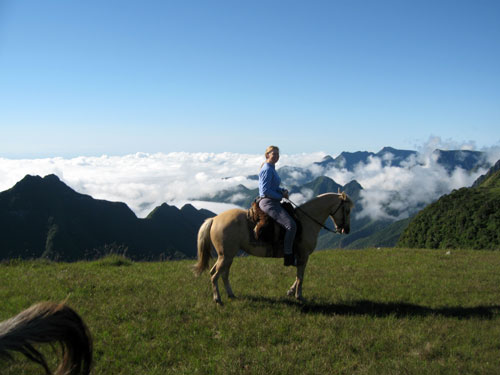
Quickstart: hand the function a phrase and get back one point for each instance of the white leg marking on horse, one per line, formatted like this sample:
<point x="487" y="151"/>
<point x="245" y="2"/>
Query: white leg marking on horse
<point x="299" y="281"/>
<point x="291" y="291"/>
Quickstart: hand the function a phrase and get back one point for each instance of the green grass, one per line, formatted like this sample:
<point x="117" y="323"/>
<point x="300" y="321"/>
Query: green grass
<point x="390" y="311"/>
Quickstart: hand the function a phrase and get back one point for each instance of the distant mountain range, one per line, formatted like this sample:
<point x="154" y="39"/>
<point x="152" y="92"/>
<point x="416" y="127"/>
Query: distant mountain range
<point x="43" y="217"/>
<point x="468" y="160"/>
<point x="349" y="160"/>
<point x="449" y="160"/>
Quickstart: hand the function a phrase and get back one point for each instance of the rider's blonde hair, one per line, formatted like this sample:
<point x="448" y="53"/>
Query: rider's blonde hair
<point x="268" y="150"/>
<point x="271" y="148"/>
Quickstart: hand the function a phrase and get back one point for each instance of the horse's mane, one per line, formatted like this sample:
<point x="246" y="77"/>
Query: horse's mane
<point x="313" y="201"/>
<point x="48" y="322"/>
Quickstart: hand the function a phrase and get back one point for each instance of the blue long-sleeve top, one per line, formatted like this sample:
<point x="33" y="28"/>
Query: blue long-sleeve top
<point x="269" y="182"/>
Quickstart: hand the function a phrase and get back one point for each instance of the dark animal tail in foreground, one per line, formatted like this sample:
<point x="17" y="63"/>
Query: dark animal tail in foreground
<point x="204" y="247"/>
<point x="48" y="322"/>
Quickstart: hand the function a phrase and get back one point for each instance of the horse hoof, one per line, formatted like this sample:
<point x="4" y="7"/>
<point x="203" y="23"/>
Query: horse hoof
<point x="232" y="296"/>
<point x="290" y="293"/>
<point x="218" y="301"/>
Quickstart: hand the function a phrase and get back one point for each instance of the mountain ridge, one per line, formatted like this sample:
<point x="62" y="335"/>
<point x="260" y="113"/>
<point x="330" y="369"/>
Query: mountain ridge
<point x="43" y="217"/>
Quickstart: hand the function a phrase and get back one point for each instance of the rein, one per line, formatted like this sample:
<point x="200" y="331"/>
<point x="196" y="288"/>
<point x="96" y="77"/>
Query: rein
<point x="316" y="221"/>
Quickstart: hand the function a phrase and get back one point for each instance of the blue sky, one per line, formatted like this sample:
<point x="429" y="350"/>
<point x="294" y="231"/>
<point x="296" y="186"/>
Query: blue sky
<point x="119" y="77"/>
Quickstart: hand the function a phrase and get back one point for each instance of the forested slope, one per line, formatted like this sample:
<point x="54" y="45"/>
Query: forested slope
<point x="466" y="218"/>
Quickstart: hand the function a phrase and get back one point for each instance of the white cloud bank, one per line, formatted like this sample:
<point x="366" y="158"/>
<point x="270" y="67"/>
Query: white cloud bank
<point x="144" y="181"/>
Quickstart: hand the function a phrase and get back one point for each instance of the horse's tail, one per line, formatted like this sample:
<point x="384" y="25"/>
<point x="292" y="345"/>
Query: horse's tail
<point x="48" y="322"/>
<point x="204" y="246"/>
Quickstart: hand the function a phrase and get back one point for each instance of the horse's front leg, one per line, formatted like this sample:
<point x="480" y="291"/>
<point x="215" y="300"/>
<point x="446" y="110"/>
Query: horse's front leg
<point x="296" y="288"/>
<point x="299" y="281"/>
<point x="291" y="291"/>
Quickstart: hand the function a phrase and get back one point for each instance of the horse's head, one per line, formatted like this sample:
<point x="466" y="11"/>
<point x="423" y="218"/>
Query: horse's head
<point x="341" y="213"/>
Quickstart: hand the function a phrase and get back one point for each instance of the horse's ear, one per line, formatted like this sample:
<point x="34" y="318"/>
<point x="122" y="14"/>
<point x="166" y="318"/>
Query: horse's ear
<point x="338" y="191"/>
<point x="343" y="196"/>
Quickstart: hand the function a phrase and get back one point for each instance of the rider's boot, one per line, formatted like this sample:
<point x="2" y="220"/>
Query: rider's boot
<point x="289" y="260"/>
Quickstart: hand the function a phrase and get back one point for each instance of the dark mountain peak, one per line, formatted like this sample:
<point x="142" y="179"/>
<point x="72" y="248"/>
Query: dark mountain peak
<point x="166" y="206"/>
<point x="28" y="181"/>
<point x="355" y="154"/>
<point x="52" y="178"/>
<point x="48" y="179"/>
<point x="349" y="160"/>
<point x="206" y="212"/>
<point x="326" y="161"/>
<point x="321" y="185"/>
<point x="194" y="216"/>
<point x="163" y="211"/>
<point x="346" y="153"/>
<point x="353" y="185"/>
<point x="353" y="189"/>
<point x="50" y="185"/>
<point x="188" y="208"/>
<point x="387" y="149"/>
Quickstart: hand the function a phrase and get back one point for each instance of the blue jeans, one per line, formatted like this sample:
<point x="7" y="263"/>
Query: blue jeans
<point x="273" y="208"/>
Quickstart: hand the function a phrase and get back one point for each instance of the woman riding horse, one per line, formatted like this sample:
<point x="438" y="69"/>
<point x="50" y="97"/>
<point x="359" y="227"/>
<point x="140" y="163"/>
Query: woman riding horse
<point x="229" y="232"/>
<point x="270" y="195"/>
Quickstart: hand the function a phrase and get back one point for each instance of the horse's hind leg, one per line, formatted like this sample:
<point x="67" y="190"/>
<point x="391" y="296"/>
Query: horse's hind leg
<point x="213" y="269"/>
<point x="225" y="279"/>
<point x="215" y="272"/>
<point x="221" y="268"/>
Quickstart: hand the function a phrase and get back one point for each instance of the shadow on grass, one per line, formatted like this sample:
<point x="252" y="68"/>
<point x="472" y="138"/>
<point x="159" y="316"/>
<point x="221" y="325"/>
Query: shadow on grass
<point x="380" y="309"/>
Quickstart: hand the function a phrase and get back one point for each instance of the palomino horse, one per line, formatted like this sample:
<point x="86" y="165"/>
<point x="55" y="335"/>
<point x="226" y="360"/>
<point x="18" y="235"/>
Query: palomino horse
<point x="48" y="322"/>
<point x="229" y="232"/>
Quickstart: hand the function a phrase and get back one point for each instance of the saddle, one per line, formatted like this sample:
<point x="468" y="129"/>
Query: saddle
<point x="266" y="229"/>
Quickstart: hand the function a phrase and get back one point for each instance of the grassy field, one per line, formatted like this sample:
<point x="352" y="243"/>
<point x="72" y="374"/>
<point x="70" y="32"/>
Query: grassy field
<point x="389" y="311"/>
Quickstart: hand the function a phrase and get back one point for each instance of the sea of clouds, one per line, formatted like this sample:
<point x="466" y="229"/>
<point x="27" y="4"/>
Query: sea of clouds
<point x="144" y="181"/>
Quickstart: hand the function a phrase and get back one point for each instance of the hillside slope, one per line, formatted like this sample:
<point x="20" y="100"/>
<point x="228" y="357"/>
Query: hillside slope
<point x="466" y="218"/>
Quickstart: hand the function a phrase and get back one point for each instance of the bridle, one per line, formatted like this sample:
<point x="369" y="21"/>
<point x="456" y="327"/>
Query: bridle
<point x="343" y="206"/>
<point x="332" y="214"/>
